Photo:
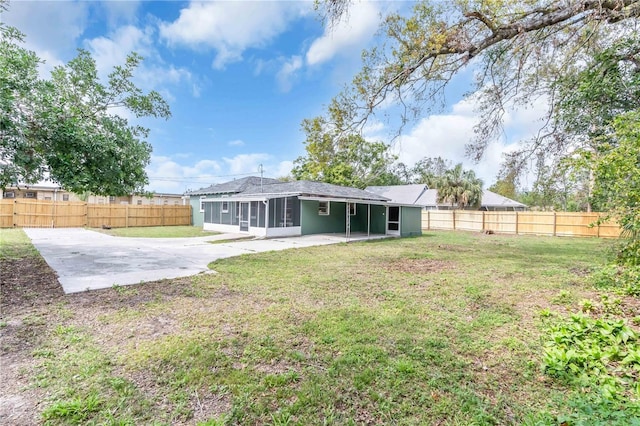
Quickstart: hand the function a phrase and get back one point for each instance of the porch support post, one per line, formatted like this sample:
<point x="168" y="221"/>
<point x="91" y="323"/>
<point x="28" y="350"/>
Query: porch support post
<point x="369" y="220"/>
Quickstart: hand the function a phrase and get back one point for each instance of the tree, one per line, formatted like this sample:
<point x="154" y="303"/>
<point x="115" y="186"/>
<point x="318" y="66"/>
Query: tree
<point x="460" y="188"/>
<point x="617" y="187"/>
<point x="429" y="170"/>
<point x="67" y="128"/>
<point x="520" y="51"/>
<point x="347" y="160"/>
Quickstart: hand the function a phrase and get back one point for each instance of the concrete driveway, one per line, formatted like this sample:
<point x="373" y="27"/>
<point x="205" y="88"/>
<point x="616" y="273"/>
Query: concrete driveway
<point x="90" y="260"/>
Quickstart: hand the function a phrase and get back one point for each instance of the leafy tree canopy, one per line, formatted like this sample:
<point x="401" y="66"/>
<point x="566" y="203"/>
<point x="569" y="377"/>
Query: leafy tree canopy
<point x="460" y="188"/>
<point x="520" y="50"/>
<point x="343" y="159"/>
<point x="67" y="128"/>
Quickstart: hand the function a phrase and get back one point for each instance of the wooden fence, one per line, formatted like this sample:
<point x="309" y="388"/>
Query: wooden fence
<point x="521" y="223"/>
<point x="21" y="213"/>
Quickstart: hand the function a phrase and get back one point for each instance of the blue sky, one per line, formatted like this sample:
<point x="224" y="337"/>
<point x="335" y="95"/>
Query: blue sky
<point x="240" y="77"/>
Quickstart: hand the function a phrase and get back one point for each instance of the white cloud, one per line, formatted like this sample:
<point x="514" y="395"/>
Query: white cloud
<point x="113" y="50"/>
<point x="230" y="27"/>
<point x="153" y="73"/>
<point x="287" y="73"/>
<point x="236" y="142"/>
<point x="246" y="163"/>
<point x="282" y="169"/>
<point x="173" y="174"/>
<point x="446" y="136"/>
<point x="348" y="36"/>
<point x="51" y="31"/>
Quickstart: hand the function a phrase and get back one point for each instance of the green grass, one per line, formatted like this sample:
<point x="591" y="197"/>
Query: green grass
<point x="158" y="232"/>
<point x="439" y="329"/>
<point x="14" y="244"/>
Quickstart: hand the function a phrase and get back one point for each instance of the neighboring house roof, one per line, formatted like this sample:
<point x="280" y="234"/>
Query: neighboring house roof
<point x="429" y="197"/>
<point x="401" y="194"/>
<point x="489" y="200"/>
<point x="234" y="186"/>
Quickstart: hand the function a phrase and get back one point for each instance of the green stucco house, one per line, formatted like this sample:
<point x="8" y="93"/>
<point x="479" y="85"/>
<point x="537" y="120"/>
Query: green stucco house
<point x="271" y="208"/>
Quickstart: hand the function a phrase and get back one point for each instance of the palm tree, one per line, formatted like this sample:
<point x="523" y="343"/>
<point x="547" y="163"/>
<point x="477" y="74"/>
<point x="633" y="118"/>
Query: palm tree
<point x="459" y="188"/>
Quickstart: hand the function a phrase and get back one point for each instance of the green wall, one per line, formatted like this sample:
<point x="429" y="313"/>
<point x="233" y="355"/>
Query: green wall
<point x="313" y="223"/>
<point x="197" y="217"/>
<point x="410" y="221"/>
<point x="378" y="219"/>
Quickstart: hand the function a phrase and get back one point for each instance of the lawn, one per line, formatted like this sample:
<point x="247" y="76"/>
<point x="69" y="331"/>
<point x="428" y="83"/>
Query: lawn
<point x="158" y="232"/>
<point x="440" y="329"/>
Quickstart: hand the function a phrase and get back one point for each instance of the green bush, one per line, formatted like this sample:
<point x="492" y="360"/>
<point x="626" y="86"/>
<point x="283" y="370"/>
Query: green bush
<point x="600" y="359"/>
<point x="625" y="278"/>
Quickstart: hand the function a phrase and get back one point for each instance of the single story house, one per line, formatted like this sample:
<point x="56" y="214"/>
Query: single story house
<point x="421" y="195"/>
<point x="272" y="208"/>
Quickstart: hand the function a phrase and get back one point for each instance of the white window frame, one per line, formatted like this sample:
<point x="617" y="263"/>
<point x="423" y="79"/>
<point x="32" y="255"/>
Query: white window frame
<point x="324" y="211"/>
<point x="139" y="202"/>
<point x="65" y="197"/>
<point x="30" y="194"/>
<point x="223" y="208"/>
<point x="352" y="209"/>
<point x="202" y="197"/>
<point x="10" y="194"/>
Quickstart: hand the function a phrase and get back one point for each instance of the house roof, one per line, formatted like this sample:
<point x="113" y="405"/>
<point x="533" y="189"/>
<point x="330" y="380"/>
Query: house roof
<point x="309" y="188"/>
<point x="489" y="199"/>
<point x="429" y="197"/>
<point x="401" y="194"/>
<point x="251" y="187"/>
<point x="233" y="186"/>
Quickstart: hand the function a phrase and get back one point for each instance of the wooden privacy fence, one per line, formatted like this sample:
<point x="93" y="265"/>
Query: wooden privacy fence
<point x="521" y="223"/>
<point x="64" y="214"/>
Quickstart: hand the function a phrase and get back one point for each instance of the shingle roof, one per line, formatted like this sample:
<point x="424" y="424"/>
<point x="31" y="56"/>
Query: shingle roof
<point x="309" y="188"/>
<point x="489" y="199"/>
<point x="428" y="197"/>
<point x="251" y="186"/>
<point x="401" y="194"/>
<point x="233" y="187"/>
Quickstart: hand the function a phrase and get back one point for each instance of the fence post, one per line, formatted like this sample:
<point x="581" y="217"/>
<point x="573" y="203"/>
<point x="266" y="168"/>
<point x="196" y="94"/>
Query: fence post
<point x="15" y="213"/>
<point x="598" y="225"/>
<point x="454" y="219"/>
<point x="126" y="215"/>
<point x="555" y="223"/>
<point x="428" y="220"/>
<point x="162" y="216"/>
<point x="483" y="221"/>
<point x="517" y="219"/>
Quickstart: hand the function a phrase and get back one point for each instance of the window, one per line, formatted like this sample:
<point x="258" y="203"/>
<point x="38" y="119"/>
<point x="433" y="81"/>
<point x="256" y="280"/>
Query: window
<point x="352" y="209"/>
<point x="47" y="198"/>
<point x="139" y="202"/>
<point x="225" y="207"/>
<point x="65" y="197"/>
<point x="323" y="208"/>
<point x="9" y="194"/>
<point x="112" y="199"/>
<point x="30" y="194"/>
<point x="202" y="203"/>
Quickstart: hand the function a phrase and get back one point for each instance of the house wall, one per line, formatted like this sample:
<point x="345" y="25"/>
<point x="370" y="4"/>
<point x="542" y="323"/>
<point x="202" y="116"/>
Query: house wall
<point x="313" y="223"/>
<point x="378" y="219"/>
<point x="410" y="221"/>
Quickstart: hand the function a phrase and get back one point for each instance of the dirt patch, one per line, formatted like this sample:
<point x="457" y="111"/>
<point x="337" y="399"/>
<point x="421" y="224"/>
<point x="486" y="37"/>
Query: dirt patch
<point x="419" y="266"/>
<point x="28" y="288"/>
